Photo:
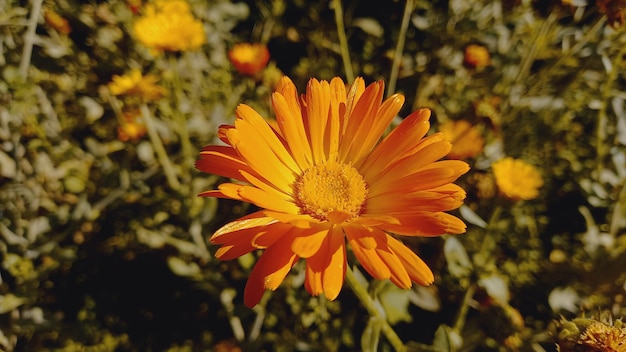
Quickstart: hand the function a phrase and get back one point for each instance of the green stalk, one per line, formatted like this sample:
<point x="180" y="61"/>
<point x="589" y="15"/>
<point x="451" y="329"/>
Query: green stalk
<point x="164" y="160"/>
<point x="343" y="41"/>
<point x="601" y="148"/>
<point x="180" y="122"/>
<point x="29" y="38"/>
<point x="397" y="56"/>
<point x="368" y="303"/>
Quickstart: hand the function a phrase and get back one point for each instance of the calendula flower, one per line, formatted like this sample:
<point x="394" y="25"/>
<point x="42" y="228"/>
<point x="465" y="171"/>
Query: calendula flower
<point x="169" y="25"/>
<point x="516" y="179"/>
<point x="136" y="84"/>
<point x="249" y="59"/>
<point x="323" y="177"/>
<point x="466" y="139"/>
<point x="477" y="56"/>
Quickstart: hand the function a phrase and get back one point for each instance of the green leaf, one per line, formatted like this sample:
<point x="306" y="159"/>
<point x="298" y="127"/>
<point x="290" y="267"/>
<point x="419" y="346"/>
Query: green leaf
<point x="371" y="335"/>
<point x="9" y="302"/>
<point x="395" y="301"/>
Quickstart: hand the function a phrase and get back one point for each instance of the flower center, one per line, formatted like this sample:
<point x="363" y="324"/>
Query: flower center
<point x="331" y="192"/>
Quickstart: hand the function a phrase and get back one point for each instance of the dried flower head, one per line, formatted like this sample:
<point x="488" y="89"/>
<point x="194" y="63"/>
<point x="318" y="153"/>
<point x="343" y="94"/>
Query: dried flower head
<point x="136" y="84"/>
<point x="477" y="56"/>
<point x="516" y="179"/>
<point x="323" y="176"/>
<point x="169" y="25"/>
<point x="465" y="138"/>
<point x="615" y="11"/>
<point x="249" y="59"/>
<point x="602" y="337"/>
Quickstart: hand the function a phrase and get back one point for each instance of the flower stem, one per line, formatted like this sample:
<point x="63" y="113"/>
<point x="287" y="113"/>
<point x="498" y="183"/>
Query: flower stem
<point x="343" y="41"/>
<point x="397" y="56"/>
<point x="607" y="91"/>
<point x="179" y="120"/>
<point x="29" y="38"/>
<point x="164" y="160"/>
<point x="369" y="305"/>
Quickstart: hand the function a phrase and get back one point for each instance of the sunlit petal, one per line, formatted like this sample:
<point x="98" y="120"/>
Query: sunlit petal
<point x="322" y="175"/>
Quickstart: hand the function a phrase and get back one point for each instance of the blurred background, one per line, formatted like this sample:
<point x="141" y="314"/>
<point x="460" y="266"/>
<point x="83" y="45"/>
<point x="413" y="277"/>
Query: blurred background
<point x="105" y="105"/>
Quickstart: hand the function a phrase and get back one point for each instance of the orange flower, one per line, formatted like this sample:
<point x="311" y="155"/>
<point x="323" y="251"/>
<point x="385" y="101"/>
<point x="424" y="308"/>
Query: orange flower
<point x="477" y="56"/>
<point x="249" y="59"/>
<point x="54" y="20"/>
<point x="516" y="179"/>
<point x="131" y="127"/>
<point x="323" y="177"/>
<point x="466" y="140"/>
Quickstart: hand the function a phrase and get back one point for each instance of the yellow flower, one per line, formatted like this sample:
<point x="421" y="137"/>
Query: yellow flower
<point x="516" y="179"/>
<point x="169" y="26"/>
<point x="323" y="177"/>
<point x="136" y="84"/>
<point x="466" y="140"/>
<point x="249" y="59"/>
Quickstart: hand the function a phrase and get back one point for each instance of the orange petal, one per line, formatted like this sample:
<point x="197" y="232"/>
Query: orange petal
<point x="354" y="95"/>
<point x="334" y="273"/>
<point x="378" y="124"/>
<point x="289" y="118"/>
<point x="270" y="234"/>
<point x="301" y="221"/>
<point x="235" y="231"/>
<point x="250" y="122"/>
<point x="268" y="272"/>
<point x="222" y="133"/>
<point x="426" y="224"/>
<point x="360" y="121"/>
<point x="399" y="275"/>
<point x="266" y="186"/>
<point x="317" y="112"/>
<point x="334" y="128"/>
<point x="230" y="252"/>
<point x="308" y="242"/>
<point x="411" y="164"/>
<point x="225" y="190"/>
<point x="434" y="175"/>
<point x="266" y="200"/>
<point x="313" y="279"/>
<point x="403" y="138"/>
<point x="419" y="272"/>
<point x="368" y="257"/>
<point x="259" y="155"/>
<point x="437" y="199"/>
<point x="223" y="161"/>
